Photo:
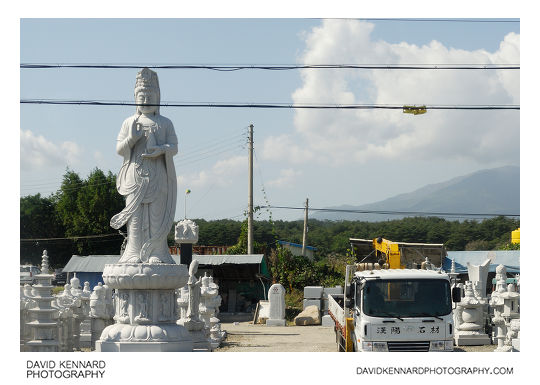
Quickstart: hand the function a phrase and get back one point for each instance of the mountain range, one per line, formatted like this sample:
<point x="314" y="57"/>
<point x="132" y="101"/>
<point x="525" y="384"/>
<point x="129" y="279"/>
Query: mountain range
<point x="490" y="191"/>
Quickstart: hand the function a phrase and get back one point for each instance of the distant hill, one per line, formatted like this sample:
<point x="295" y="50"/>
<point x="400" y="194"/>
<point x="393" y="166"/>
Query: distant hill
<point x="486" y="191"/>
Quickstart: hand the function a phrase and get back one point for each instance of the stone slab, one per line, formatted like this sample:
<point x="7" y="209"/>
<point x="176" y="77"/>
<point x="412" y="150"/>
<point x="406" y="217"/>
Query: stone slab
<point x="326" y="320"/>
<point x="313" y="291"/>
<point x="331" y="291"/>
<point x="275" y="322"/>
<point x="312" y="302"/>
<point x="472" y="340"/>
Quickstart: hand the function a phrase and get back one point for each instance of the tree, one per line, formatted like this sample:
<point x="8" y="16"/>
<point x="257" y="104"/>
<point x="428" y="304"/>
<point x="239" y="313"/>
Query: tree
<point x="85" y="208"/>
<point x="39" y="220"/>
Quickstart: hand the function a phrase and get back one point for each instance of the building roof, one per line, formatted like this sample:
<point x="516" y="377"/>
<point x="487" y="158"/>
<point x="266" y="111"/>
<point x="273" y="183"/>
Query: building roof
<point x="508" y="258"/>
<point x="296" y="245"/>
<point x="96" y="263"/>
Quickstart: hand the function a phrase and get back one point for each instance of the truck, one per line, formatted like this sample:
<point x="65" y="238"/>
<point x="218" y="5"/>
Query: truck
<point x="394" y="310"/>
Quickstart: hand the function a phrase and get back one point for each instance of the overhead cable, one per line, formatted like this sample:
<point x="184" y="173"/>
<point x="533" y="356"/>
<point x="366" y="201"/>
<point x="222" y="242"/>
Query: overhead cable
<point x="394" y="212"/>
<point x="270" y="105"/>
<point x="278" y="67"/>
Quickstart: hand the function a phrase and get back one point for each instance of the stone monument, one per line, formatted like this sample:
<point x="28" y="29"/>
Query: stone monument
<point x="146" y="276"/>
<point x="276" y="297"/>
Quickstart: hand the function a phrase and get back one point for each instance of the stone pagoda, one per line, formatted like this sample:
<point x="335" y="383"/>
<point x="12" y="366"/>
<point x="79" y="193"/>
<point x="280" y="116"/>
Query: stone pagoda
<point x="43" y="315"/>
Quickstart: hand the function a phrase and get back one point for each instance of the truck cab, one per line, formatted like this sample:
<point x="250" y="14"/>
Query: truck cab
<point x="401" y="310"/>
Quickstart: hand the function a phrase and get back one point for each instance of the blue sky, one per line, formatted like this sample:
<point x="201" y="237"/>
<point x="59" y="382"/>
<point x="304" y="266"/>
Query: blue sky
<point x="332" y="157"/>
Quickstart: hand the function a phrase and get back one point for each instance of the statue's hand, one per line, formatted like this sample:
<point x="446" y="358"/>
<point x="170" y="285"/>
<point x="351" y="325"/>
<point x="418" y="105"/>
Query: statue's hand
<point x="153" y="152"/>
<point x="136" y="130"/>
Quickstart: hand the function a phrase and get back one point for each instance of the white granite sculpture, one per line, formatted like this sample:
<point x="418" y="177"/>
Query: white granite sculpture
<point x="68" y="305"/>
<point x="80" y="312"/>
<point x="496" y="303"/>
<point x="65" y="325"/>
<point x="211" y="300"/>
<point x="469" y="317"/>
<point x="146" y="276"/>
<point x="186" y="231"/>
<point x="147" y="179"/>
<point x="85" y="336"/>
<point x="26" y="302"/>
<point x="182" y="302"/>
<point x="478" y="275"/>
<point x="510" y="313"/>
<point x="276" y="297"/>
<point x="194" y="325"/>
<point x="43" y="315"/>
<point x="98" y="313"/>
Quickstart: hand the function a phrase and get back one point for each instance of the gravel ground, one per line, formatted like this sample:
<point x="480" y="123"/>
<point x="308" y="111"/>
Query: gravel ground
<point x="246" y="337"/>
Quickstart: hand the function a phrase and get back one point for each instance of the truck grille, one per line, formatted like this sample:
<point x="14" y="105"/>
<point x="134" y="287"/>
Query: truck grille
<point x="408" y="346"/>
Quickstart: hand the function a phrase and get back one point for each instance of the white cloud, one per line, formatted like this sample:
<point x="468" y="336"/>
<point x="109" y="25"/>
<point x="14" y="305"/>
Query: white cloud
<point x="222" y="173"/>
<point x="286" y="177"/>
<point x="339" y="136"/>
<point x="38" y="152"/>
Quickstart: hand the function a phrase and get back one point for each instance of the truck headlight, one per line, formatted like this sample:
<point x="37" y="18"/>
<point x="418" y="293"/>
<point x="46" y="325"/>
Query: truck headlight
<point x="439" y="346"/>
<point x="367" y="346"/>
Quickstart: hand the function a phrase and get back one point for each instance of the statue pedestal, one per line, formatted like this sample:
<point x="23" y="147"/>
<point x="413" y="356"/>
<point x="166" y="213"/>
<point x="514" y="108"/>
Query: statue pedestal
<point x="145" y="313"/>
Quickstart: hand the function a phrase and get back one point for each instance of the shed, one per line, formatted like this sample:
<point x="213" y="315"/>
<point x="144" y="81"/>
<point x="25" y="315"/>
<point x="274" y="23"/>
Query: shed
<point x="243" y="279"/>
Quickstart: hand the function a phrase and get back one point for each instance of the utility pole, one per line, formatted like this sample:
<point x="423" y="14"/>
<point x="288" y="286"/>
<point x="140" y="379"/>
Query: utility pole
<point x="250" y="194"/>
<point x="304" y="238"/>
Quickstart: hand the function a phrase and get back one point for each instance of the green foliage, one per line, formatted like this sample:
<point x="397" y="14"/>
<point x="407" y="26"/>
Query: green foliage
<point x="86" y="208"/>
<point x="79" y="208"/>
<point x="509" y="246"/>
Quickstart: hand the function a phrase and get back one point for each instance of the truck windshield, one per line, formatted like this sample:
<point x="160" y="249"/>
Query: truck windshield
<point x="407" y="298"/>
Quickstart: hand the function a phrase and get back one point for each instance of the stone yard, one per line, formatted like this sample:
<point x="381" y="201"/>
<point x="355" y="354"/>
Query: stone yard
<point x="246" y="337"/>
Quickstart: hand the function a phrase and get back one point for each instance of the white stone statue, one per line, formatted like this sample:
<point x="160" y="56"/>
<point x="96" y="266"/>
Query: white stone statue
<point x="469" y="320"/>
<point x="147" y="179"/>
<point x="186" y="231"/>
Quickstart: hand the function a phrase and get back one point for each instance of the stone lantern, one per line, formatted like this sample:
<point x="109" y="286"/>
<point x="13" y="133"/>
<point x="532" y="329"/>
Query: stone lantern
<point x="469" y="316"/>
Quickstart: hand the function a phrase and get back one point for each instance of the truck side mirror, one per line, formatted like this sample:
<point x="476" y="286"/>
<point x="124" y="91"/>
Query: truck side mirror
<point x="456" y="294"/>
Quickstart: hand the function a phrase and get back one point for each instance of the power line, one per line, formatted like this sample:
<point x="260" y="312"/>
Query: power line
<point x="271" y="105"/>
<point x="278" y="67"/>
<point x="71" y="238"/>
<point x="392" y="212"/>
<point x="468" y="20"/>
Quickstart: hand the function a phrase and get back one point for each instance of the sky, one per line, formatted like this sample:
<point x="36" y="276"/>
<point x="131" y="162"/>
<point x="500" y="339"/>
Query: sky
<point x="332" y="157"/>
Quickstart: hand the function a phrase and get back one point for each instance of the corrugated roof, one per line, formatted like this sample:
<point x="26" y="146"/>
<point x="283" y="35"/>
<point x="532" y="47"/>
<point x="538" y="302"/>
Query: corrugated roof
<point x="297" y="245"/>
<point x="508" y="258"/>
<point x="96" y="263"/>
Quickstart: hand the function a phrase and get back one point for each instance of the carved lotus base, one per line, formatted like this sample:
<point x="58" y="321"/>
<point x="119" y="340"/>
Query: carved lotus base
<point x="144" y="338"/>
<point x="145" y="276"/>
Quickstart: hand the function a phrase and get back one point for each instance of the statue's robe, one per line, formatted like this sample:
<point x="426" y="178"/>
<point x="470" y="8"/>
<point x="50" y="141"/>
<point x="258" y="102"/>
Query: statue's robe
<point x="149" y="187"/>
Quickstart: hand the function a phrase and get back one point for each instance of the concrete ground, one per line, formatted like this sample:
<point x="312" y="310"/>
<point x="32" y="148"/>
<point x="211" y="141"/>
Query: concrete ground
<point x="246" y="337"/>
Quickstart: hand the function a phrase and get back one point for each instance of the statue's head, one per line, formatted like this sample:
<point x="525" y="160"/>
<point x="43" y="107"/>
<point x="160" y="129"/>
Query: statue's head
<point x="147" y="92"/>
